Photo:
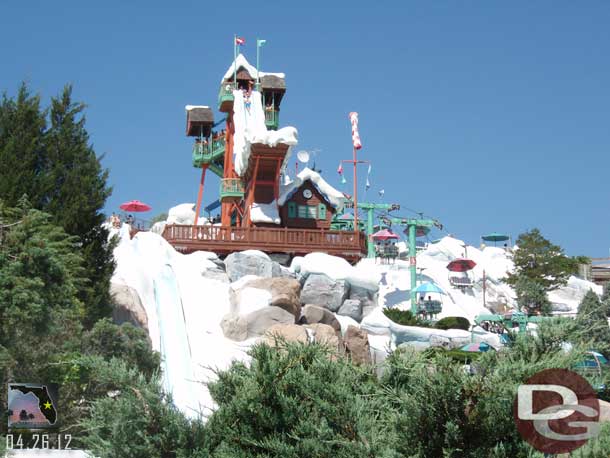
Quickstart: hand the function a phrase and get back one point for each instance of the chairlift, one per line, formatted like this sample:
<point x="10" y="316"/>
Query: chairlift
<point x="429" y="307"/>
<point x="460" y="266"/>
<point x="385" y="245"/>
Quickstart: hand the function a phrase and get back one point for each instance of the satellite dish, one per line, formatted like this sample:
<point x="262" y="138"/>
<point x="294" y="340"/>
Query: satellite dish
<point x="303" y="156"/>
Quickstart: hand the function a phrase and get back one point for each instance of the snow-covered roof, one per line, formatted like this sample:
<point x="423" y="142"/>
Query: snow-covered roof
<point x="192" y="107"/>
<point x="241" y="61"/>
<point x="334" y="197"/>
<point x="265" y="213"/>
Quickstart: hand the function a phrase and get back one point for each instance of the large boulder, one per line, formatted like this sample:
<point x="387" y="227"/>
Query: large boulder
<point x="284" y="292"/>
<point x="250" y="262"/>
<point x="356" y="345"/>
<point x="234" y="327"/>
<point x="285" y="332"/>
<point x="351" y="308"/>
<point x="367" y="297"/>
<point x="324" y="334"/>
<point x="254" y="324"/>
<point x="322" y="290"/>
<point x="127" y="306"/>
<point x="312" y="314"/>
<point x="259" y="321"/>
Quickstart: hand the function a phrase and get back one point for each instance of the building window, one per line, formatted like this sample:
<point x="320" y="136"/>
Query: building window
<point x="292" y="210"/>
<point x="307" y="212"/>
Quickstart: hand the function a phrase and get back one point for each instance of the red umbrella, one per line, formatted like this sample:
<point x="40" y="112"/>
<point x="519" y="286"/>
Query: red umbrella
<point x="135" y="206"/>
<point x="461" y="265"/>
<point x="384" y="234"/>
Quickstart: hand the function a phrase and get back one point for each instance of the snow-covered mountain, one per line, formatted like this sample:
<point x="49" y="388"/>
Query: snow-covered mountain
<point x="185" y="298"/>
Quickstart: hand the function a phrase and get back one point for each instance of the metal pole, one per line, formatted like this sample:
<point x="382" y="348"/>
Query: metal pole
<point x="234" y="62"/>
<point x="356" y="228"/>
<point x="484" y="290"/>
<point x="413" y="266"/>
<point x="257" y="61"/>
<point x="200" y="194"/>
<point x="369" y="230"/>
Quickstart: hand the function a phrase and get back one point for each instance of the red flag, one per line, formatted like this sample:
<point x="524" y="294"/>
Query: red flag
<point x="240" y="41"/>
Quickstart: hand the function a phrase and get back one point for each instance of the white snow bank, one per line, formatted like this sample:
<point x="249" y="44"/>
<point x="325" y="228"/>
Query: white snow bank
<point x="336" y="198"/>
<point x="572" y="294"/>
<point x="265" y="213"/>
<point x="181" y="214"/>
<point x="184" y="312"/>
<point x="337" y="269"/>
<point x="250" y="128"/>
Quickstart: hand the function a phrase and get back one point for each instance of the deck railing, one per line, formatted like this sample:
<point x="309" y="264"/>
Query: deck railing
<point x="265" y="239"/>
<point x="231" y="187"/>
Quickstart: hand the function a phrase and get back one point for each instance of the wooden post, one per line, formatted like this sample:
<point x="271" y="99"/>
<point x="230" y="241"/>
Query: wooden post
<point x="200" y="193"/>
<point x="250" y="199"/>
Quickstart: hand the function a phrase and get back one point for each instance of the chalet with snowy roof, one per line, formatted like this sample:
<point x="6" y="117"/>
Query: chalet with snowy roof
<point x="261" y="206"/>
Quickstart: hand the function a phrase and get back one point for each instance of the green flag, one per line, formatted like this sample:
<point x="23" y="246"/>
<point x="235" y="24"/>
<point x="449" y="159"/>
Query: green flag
<point x="260" y="43"/>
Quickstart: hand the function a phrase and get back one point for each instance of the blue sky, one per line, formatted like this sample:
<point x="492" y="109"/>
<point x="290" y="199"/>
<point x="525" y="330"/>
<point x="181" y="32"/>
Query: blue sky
<point x="490" y="116"/>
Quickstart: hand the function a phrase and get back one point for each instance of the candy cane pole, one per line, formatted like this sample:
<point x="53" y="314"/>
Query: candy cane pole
<point x="353" y="116"/>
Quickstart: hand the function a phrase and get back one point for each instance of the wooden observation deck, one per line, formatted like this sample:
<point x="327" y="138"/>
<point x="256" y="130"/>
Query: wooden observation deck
<point x="223" y="240"/>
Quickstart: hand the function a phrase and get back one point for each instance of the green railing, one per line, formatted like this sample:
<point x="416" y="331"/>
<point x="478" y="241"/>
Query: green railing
<point x="205" y="153"/>
<point x="430" y="307"/>
<point x="225" y="94"/>
<point x="272" y="119"/>
<point x="231" y="187"/>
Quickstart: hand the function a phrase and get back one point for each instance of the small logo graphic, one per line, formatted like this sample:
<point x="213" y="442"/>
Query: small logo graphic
<point x="32" y="406"/>
<point x="556" y="411"/>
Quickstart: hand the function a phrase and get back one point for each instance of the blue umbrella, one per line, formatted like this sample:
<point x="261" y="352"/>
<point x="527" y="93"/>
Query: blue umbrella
<point x="477" y="347"/>
<point x="428" y="288"/>
<point x="601" y="358"/>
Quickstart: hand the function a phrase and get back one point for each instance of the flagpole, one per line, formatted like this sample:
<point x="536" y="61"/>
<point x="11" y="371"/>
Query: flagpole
<point x="257" y="66"/>
<point x="234" y="61"/>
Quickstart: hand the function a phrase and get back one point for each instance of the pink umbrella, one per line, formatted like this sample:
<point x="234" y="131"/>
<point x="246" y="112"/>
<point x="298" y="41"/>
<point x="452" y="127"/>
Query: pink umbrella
<point x="384" y="234"/>
<point x="135" y="206"/>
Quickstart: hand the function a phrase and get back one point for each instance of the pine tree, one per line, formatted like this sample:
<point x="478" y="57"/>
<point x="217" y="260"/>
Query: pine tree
<point x="593" y="322"/>
<point x="76" y="190"/>
<point x="58" y="169"/>
<point x="540" y="261"/>
<point x="532" y="297"/>
<point x="605" y="299"/>
<point x="22" y="149"/>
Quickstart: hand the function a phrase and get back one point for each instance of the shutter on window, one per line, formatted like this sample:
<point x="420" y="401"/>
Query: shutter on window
<point x="321" y="211"/>
<point x="292" y="210"/>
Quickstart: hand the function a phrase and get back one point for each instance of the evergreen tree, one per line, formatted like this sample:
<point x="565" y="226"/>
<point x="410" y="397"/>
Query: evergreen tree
<point x="540" y="261"/>
<point x="593" y="322"/>
<point x="58" y="169"/>
<point x="22" y="149"/>
<point x="40" y="270"/>
<point x="296" y="402"/>
<point x="76" y="190"/>
<point x="138" y="419"/>
<point x="532" y="297"/>
<point x="605" y="299"/>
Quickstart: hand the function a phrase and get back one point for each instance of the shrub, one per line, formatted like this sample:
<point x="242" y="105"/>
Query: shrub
<point x="405" y="318"/>
<point x="453" y="322"/>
